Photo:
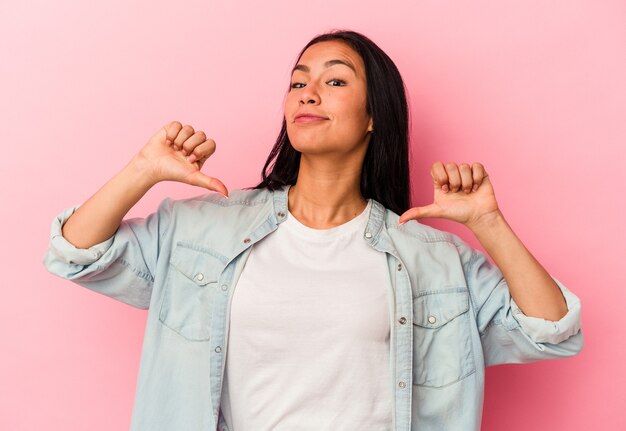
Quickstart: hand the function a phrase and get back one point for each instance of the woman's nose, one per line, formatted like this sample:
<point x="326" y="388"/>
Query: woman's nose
<point x="309" y="94"/>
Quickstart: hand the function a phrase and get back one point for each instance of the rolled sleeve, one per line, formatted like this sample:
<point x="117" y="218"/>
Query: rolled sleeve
<point x="121" y="267"/>
<point x="66" y="252"/>
<point x="506" y="334"/>
<point x="547" y="331"/>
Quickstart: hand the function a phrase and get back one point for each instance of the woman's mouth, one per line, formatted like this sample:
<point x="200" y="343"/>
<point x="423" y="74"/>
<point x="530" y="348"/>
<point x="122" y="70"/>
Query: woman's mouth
<point x="309" y="119"/>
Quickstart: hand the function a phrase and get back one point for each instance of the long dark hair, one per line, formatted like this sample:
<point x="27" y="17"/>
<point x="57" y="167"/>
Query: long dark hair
<point x="385" y="171"/>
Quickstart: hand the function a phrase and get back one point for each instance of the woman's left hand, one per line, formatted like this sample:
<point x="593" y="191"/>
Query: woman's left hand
<point x="463" y="193"/>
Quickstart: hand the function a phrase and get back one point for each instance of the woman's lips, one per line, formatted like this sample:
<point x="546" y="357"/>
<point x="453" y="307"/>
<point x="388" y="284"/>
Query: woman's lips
<point x="309" y="119"/>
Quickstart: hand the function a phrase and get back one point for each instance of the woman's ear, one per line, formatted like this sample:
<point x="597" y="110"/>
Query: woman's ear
<point x="370" y="126"/>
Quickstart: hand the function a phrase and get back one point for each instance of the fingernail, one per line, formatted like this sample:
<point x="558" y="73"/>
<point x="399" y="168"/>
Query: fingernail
<point x="475" y="187"/>
<point x="191" y="158"/>
<point x="445" y="188"/>
<point x="184" y="152"/>
<point x="223" y="195"/>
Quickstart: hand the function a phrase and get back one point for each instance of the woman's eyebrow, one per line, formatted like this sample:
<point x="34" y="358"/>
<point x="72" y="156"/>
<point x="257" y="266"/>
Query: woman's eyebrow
<point x="328" y="64"/>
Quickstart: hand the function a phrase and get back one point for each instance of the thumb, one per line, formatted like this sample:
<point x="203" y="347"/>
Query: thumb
<point x="431" y="210"/>
<point x="199" y="179"/>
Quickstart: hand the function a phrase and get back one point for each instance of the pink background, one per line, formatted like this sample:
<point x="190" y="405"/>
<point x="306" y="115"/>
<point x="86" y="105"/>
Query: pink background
<point x="535" y="90"/>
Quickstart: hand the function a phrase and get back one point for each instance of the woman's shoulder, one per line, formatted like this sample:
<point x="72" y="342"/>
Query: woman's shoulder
<point x="418" y="231"/>
<point x="237" y="197"/>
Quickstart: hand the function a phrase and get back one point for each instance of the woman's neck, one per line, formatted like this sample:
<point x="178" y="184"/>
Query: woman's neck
<point x="326" y="196"/>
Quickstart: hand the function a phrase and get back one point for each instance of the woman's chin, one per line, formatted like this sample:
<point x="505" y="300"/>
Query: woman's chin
<point x="312" y="148"/>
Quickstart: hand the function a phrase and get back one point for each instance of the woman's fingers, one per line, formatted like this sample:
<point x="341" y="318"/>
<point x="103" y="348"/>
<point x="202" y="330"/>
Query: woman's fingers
<point x="202" y="151"/>
<point x="199" y="179"/>
<point x="478" y="175"/>
<point x="192" y="142"/>
<point x="467" y="181"/>
<point x="185" y="133"/>
<point x="453" y="177"/>
<point x="162" y="156"/>
<point x="171" y="131"/>
<point x="416" y="213"/>
<point x="440" y="177"/>
<point x="194" y="145"/>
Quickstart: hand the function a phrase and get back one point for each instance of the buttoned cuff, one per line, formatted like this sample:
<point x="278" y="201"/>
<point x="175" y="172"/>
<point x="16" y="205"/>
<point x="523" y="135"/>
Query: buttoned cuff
<point x="67" y="252"/>
<point x="548" y="331"/>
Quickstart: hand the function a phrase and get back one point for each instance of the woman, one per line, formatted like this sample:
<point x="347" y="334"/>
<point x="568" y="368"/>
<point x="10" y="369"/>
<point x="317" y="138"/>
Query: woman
<point x="335" y="312"/>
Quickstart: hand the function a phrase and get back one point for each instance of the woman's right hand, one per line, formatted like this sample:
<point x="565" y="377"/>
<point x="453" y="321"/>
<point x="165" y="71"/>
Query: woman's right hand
<point x="177" y="153"/>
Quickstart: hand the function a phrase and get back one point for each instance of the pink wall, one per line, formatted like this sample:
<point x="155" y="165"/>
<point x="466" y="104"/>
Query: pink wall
<point x="535" y="90"/>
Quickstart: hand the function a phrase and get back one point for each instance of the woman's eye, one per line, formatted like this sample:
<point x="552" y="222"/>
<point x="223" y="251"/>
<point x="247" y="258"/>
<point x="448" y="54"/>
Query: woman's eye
<point x="337" y="82"/>
<point x="332" y="83"/>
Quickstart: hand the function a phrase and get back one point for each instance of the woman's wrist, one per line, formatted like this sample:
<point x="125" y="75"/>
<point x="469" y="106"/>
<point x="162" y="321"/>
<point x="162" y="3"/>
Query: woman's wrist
<point x="141" y="173"/>
<point x="486" y="223"/>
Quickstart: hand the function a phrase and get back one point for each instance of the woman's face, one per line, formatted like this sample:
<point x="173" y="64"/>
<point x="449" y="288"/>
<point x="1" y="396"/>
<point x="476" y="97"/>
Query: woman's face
<point x="325" y="109"/>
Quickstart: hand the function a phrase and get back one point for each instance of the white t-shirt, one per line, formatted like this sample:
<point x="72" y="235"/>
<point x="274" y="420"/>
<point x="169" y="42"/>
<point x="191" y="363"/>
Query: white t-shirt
<point x="308" y="345"/>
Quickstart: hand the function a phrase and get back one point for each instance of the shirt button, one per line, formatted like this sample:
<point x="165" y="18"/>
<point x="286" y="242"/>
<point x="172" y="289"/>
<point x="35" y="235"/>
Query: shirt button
<point x="200" y="276"/>
<point x="280" y="214"/>
<point x="402" y="320"/>
<point x="224" y="287"/>
<point x="246" y="241"/>
<point x="368" y="235"/>
<point x="399" y="267"/>
<point x="402" y="385"/>
<point x="218" y="349"/>
<point x="432" y="319"/>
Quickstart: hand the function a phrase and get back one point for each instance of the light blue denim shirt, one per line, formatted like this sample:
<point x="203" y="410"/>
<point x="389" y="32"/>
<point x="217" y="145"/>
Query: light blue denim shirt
<point x="451" y="313"/>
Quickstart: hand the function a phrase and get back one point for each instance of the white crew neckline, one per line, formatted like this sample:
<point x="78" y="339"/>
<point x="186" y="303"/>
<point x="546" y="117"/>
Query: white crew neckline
<point x="349" y="227"/>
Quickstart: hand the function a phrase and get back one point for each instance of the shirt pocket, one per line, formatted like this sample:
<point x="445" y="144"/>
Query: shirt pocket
<point x="441" y="337"/>
<point x="189" y="292"/>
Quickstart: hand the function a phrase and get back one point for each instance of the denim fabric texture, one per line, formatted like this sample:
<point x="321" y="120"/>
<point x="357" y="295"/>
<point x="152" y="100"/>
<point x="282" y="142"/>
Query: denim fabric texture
<point x="451" y="311"/>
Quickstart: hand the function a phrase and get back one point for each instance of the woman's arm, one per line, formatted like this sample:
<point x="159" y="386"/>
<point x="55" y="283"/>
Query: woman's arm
<point x="174" y="153"/>
<point x="100" y="216"/>
<point x="465" y="194"/>
<point x="532" y="288"/>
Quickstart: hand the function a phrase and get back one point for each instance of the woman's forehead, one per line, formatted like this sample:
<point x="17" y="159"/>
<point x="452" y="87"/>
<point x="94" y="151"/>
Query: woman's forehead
<point x="329" y="53"/>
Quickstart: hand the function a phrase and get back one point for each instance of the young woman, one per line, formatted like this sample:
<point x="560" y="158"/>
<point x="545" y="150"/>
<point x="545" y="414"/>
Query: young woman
<point x="308" y="302"/>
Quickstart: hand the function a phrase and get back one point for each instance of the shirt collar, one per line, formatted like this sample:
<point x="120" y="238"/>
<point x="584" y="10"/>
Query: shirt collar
<point x="375" y="223"/>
